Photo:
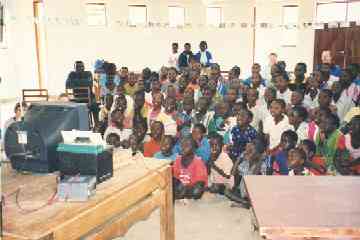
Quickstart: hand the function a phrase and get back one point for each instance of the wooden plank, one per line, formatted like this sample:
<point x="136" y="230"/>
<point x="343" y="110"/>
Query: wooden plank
<point x="167" y="218"/>
<point x="119" y="227"/>
<point x="306" y="206"/>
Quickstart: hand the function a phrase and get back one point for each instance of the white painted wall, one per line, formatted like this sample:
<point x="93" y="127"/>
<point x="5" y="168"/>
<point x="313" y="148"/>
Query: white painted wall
<point x="18" y="59"/>
<point x="270" y="40"/>
<point x="136" y="47"/>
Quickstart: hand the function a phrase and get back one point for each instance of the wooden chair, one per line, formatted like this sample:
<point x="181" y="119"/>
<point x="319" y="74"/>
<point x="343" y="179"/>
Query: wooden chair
<point x="35" y="95"/>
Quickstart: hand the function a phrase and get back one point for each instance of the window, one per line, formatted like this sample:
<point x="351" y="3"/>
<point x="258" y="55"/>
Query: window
<point x="176" y="16"/>
<point x="354" y="11"/>
<point x="137" y="15"/>
<point x="96" y="14"/>
<point x="214" y="16"/>
<point x="330" y="12"/>
<point x="290" y="22"/>
<point x="337" y="10"/>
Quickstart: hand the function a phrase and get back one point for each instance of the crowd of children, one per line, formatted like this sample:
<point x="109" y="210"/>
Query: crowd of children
<point x="216" y="130"/>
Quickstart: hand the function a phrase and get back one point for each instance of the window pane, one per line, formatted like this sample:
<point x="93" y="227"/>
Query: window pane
<point x="213" y="16"/>
<point x="96" y="14"/>
<point x="290" y="15"/>
<point x="176" y="16"/>
<point x="331" y="12"/>
<point x="354" y="11"/>
<point x="137" y="15"/>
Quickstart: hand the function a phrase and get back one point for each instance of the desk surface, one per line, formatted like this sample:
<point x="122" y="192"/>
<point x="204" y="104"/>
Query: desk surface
<point x="306" y="206"/>
<point x="37" y="190"/>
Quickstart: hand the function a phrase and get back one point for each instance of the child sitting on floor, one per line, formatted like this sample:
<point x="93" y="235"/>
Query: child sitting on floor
<point x="166" y="149"/>
<point x="297" y="98"/>
<point x="242" y="134"/>
<point x="104" y="113"/>
<point x="258" y="110"/>
<point x="297" y="118"/>
<point x="276" y="123"/>
<point x="131" y="85"/>
<point x="183" y="118"/>
<point x="313" y="90"/>
<point x="168" y="117"/>
<point x="153" y="146"/>
<point x="198" y="134"/>
<point x="189" y="172"/>
<point x="296" y="161"/>
<point x="282" y="86"/>
<point x="251" y="162"/>
<point x="202" y="114"/>
<point x="328" y="139"/>
<point x="117" y="125"/>
<point x="279" y="160"/>
<point x="315" y="164"/>
<point x="220" y="166"/>
<point x="218" y="123"/>
<point x="348" y="154"/>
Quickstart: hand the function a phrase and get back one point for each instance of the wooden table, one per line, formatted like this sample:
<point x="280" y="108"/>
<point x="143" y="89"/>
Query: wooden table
<point x="131" y="195"/>
<point x="306" y="207"/>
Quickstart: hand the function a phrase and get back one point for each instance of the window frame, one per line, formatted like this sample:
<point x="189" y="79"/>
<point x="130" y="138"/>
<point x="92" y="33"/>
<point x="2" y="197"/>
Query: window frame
<point x="221" y="16"/>
<point x="184" y="13"/>
<point x="323" y="2"/>
<point x="105" y="24"/>
<point x="286" y="30"/>
<point x="146" y="14"/>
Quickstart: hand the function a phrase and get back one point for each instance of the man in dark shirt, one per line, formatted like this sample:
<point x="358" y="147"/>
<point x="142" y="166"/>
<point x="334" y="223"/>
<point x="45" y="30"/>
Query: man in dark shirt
<point x="184" y="57"/>
<point x="83" y="79"/>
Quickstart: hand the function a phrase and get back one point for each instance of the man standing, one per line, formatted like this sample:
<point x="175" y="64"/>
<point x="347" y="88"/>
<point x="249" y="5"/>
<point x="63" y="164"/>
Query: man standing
<point x="83" y="79"/>
<point x="185" y="56"/>
<point x="174" y="56"/>
<point x="273" y="59"/>
<point x="204" y="56"/>
<point x="335" y="70"/>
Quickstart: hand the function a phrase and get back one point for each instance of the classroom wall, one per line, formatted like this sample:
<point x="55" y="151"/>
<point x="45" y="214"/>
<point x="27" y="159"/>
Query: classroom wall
<point x="139" y="47"/>
<point x="271" y="39"/>
<point x="18" y="56"/>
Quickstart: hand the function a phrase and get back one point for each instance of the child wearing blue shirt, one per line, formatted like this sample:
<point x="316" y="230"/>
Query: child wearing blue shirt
<point x="242" y="134"/>
<point x="166" y="149"/>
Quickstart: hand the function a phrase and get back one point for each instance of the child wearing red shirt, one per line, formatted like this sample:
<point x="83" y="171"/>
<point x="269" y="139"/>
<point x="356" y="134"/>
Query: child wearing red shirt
<point x="314" y="163"/>
<point x="153" y="146"/>
<point x="189" y="172"/>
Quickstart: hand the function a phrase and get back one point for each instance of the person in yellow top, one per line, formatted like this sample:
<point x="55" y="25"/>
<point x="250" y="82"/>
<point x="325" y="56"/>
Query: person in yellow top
<point x="131" y="86"/>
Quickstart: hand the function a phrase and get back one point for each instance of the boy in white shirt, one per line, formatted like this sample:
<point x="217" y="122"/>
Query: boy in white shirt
<point x="297" y="118"/>
<point x="276" y="123"/>
<point x="174" y="56"/>
<point x="282" y="86"/>
<point x="253" y="104"/>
